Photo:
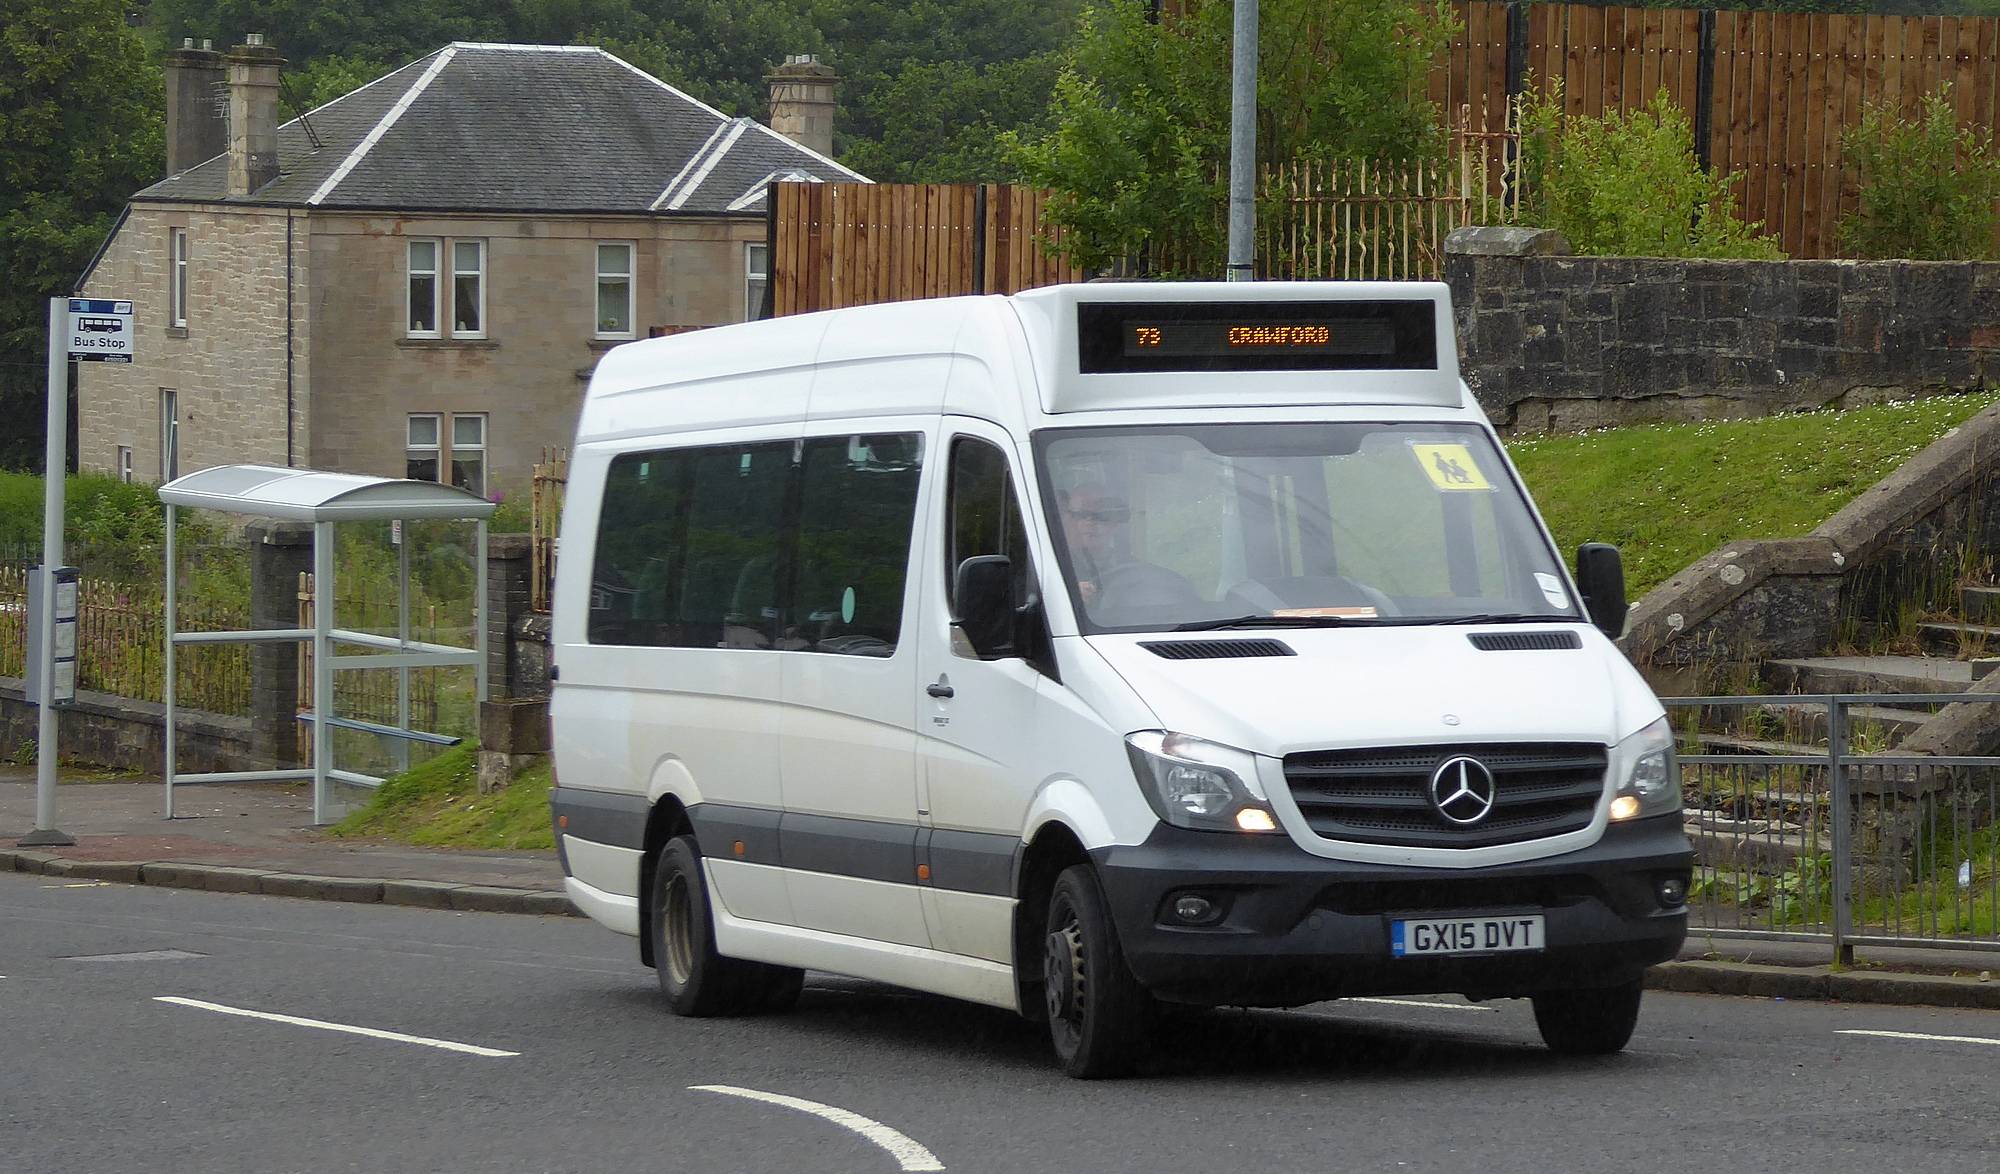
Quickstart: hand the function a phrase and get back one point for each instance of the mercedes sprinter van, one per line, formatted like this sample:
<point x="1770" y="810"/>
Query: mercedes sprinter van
<point x="1097" y="648"/>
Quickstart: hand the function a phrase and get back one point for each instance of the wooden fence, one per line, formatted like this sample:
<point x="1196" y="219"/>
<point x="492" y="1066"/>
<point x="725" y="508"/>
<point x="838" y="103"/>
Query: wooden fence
<point x="843" y="244"/>
<point x="371" y="694"/>
<point x="121" y="644"/>
<point x="1769" y="93"/>
<point x="551" y="479"/>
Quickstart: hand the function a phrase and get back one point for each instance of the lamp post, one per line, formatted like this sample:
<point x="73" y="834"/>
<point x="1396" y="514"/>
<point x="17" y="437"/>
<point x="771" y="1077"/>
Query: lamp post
<point x="1243" y="143"/>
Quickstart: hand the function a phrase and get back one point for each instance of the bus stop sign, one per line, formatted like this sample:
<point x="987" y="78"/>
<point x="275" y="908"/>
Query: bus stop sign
<point x="100" y="331"/>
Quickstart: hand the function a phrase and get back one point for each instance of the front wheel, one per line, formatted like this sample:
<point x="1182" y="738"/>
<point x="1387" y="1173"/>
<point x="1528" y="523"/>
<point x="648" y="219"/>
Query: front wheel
<point x="1588" y="1022"/>
<point x="1097" y="1011"/>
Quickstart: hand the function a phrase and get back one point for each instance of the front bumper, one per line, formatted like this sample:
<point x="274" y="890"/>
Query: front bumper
<point x="1295" y="928"/>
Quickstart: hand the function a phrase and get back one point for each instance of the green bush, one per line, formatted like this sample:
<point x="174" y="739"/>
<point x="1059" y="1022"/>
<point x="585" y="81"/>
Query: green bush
<point x="112" y="529"/>
<point x="1629" y="184"/>
<point x="1928" y="188"/>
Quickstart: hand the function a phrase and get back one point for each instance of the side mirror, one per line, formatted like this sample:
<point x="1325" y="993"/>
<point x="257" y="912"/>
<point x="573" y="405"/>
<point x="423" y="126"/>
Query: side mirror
<point x="1600" y="575"/>
<point x="983" y="589"/>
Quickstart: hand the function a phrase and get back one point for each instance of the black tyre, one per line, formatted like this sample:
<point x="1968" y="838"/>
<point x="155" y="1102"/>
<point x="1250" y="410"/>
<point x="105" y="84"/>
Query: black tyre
<point x="696" y="980"/>
<point x="1588" y="1022"/>
<point x="782" y="987"/>
<point x="1097" y="1011"/>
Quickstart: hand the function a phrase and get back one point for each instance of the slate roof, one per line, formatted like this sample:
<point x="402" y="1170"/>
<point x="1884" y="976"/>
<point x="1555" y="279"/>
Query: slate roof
<point x="518" y="128"/>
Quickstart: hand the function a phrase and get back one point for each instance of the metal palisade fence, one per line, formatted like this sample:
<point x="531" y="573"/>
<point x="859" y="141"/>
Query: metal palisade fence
<point x="1853" y="844"/>
<point x="121" y="643"/>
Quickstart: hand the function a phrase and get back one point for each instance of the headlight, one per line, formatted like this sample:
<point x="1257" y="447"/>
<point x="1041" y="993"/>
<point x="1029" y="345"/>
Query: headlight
<point x="1643" y="768"/>
<point x="1195" y="784"/>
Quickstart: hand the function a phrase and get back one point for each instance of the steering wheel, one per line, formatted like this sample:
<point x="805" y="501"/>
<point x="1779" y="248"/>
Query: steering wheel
<point x="1135" y="585"/>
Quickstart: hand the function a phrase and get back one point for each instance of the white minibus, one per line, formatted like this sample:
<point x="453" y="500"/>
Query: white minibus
<point x="1093" y="650"/>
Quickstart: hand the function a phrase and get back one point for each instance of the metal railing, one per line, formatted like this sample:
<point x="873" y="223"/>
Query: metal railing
<point x="1854" y="844"/>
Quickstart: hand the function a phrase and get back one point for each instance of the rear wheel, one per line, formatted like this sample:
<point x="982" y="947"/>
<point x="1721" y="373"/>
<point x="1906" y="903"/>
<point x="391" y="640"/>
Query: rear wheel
<point x="1097" y="1011"/>
<point x="1588" y="1022"/>
<point x="696" y="980"/>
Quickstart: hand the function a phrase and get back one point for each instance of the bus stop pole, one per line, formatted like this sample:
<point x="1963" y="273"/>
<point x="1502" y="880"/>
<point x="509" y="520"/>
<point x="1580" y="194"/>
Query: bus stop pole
<point x="53" y="468"/>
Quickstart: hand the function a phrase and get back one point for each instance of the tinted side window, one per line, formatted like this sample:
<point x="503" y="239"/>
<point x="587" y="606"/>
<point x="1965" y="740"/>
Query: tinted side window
<point x="688" y="548"/>
<point x="983" y="516"/>
<point x="857" y="510"/>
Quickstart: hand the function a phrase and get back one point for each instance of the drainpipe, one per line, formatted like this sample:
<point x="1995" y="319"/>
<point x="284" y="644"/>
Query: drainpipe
<point x="290" y="462"/>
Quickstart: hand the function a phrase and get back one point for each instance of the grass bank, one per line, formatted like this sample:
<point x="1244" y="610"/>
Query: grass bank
<point x="438" y="805"/>
<point x="1667" y="494"/>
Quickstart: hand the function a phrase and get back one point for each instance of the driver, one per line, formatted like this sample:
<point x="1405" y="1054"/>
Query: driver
<point x="1096" y="525"/>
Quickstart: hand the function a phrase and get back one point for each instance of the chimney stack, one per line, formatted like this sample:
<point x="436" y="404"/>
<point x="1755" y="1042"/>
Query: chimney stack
<point x="802" y="101"/>
<point x="253" y="115"/>
<point x="195" y="127"/>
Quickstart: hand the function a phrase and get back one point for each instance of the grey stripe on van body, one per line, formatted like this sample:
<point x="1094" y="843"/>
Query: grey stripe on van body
<point x="861" y="848"/>
<point x="865" y="849"/>
<point x="602" y="817"/>
<point x="719" y="827"/>
<point x="973" y="862"/>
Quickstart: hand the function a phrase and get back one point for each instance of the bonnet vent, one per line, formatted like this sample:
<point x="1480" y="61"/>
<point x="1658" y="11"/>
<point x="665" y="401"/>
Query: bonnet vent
<point x="1523" y="641"/>
<point x="1215" y="649"/>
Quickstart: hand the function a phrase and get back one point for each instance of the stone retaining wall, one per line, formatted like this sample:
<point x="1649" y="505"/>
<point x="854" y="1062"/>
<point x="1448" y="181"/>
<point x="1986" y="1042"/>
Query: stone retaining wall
<point x="1551" y="342"/>
<point x="124" y="734"/>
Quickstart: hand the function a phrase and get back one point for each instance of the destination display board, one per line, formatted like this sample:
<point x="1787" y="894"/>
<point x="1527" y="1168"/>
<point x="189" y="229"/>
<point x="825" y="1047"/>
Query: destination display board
<point x="1117" y="337"/>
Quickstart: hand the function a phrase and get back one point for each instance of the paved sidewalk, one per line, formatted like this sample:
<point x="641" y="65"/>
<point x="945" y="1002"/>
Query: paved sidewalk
<point x="258" y="838"/>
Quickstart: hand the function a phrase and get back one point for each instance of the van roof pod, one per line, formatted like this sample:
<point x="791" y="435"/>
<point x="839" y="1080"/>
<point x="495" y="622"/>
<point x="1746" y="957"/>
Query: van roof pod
<point x="1243" y="344"/>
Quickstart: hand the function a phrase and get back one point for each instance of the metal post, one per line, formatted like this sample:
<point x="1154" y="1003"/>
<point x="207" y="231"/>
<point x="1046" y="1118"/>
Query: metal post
<point x="168" y="660"/>
<point x="479" y="611"/>
<point x="1243" y="143"/>
<point x="402" y="634"/>
<point x="322" y="664"/>
<point x="44" y="833"/>
<point x="1843" y="834"/>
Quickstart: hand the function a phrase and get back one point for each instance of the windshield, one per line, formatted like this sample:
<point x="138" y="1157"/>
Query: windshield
<point x="1167" y="527"/>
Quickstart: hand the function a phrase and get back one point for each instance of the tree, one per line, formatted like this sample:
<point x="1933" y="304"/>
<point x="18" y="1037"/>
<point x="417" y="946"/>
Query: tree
<point x="1139" y="142"/>
<point x="1928" y="187"/>
<point x="80" y="130"/>
<point x="944" y="122"/>
<point x="1629" y="184"/>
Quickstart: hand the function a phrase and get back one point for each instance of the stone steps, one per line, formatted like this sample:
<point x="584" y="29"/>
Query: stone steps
<point x="1869" y="674"/>
<point x="1808" y="722"/>
<point x="1761" y="846"/>
<point x="1976" y="644"/>
<point x="1979" y="605"/>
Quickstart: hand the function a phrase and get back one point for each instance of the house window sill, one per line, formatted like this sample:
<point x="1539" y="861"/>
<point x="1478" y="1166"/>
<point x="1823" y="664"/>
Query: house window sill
<point x="447" y="344"/>
<point x="600" y="345"/>
<point x="177" y="332"/>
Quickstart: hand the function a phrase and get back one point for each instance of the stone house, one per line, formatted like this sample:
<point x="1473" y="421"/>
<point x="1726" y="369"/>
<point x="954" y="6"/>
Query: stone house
<point x="417" y="278"/>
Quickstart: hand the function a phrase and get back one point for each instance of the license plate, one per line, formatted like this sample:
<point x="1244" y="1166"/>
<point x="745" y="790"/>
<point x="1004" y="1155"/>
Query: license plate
<point x="1433" y="936"/>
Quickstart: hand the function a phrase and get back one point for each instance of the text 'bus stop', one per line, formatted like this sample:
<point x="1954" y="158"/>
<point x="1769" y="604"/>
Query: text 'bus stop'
<point x="325" y="500"/>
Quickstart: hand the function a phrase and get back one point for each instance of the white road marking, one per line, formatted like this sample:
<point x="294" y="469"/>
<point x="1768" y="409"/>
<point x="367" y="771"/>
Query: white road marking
<point x="905" y="1150"/>
<point x="1426" y="1006"/>
<point x="370" y="1032"/>
<point x="1918" y="1035"/>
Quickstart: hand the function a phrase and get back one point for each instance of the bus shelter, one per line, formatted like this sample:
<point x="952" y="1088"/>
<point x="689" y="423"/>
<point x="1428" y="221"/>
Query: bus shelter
<point x="326" y="500"/>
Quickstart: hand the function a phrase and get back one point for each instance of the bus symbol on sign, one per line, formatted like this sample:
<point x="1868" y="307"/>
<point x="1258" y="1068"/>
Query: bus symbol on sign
<point x="100" y="331"/>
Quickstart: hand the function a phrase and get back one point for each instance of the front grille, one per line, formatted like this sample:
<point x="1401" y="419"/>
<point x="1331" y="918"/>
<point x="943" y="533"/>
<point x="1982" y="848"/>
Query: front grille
<point x="1382" y="795"/>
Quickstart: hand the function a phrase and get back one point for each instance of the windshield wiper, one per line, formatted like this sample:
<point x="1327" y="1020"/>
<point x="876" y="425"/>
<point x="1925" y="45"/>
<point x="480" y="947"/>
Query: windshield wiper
<point x="1483" y="618"/>
<point x="1267" y="621"/>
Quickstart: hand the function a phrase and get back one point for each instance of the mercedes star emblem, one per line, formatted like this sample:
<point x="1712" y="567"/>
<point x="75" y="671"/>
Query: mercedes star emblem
<point x="1462" y="790"/>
